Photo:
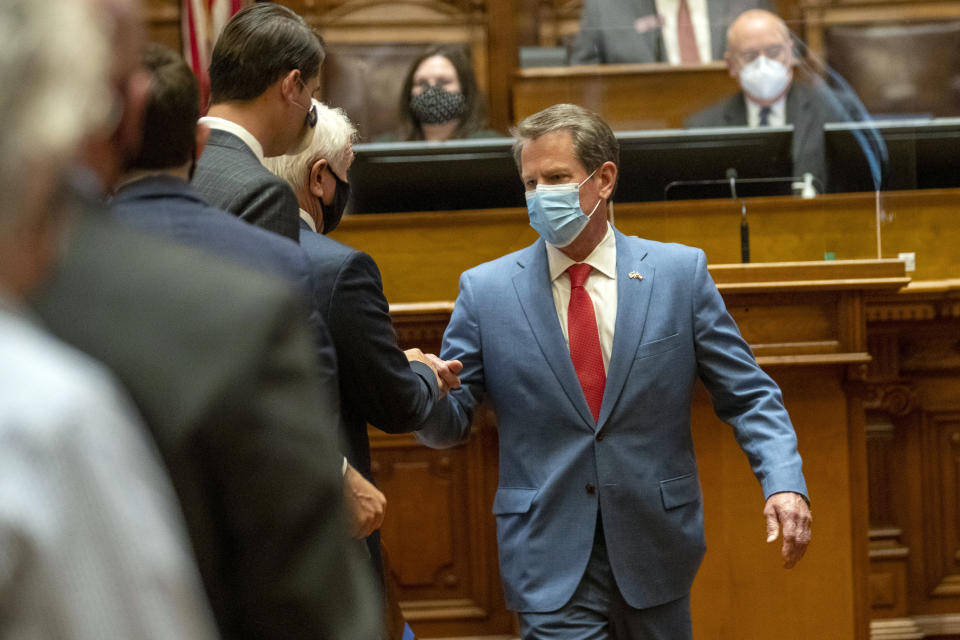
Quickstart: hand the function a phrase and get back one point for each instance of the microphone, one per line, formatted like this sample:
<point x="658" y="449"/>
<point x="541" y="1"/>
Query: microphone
<point x="732" y="177"/>
<point x="744" y="227"/>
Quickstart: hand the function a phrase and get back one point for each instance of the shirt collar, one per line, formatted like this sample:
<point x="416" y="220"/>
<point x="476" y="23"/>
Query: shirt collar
<point x="603" y="258"/>
<point x="777" y="112"/>
<point x="229" y="126"/>
<point x="306" y="217"/>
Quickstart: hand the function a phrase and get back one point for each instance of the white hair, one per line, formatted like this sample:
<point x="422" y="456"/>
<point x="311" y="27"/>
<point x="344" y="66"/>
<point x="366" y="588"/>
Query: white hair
<point x="54" y="67"/>
<point x="332" y="139"/>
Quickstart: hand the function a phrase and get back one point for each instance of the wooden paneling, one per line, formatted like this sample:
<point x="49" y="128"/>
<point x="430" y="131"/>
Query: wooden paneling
<point x="421" y="255"/>
<point x="627" y="96"/>
<point x="914" y="409"/>
<point x="163" y="22"/>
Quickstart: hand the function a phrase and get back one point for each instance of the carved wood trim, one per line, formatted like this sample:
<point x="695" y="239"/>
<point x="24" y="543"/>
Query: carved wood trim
<point x="941" y="515"/>
<point x="939" y="625"/>
<point x="894" y="399"/>
<point x="918" y="302"/>
<point x="895" y="629"/>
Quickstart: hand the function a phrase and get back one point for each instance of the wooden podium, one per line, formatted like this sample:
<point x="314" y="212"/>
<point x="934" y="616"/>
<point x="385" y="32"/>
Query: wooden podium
<point x="807" y="325"/>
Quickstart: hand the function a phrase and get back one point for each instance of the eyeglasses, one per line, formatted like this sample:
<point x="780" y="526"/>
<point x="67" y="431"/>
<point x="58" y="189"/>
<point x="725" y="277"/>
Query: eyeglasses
<point x="771" y="52"/>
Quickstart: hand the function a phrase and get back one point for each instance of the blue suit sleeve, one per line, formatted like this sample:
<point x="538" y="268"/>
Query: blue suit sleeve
<point x="449" y="423"/>
<point x="743" y="395"/>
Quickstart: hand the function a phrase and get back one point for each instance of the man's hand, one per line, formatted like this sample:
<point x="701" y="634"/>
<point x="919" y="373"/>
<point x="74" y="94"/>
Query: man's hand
<point x="446" y="371"/>
<point x="365" y="504"/>
<point x="789" y="511"/>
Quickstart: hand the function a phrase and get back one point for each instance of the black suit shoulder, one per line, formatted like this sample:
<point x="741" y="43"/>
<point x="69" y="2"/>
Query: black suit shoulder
<point x="725" y="113"/>
<point x="378" y="384"/>
<point x="230" y="177"/>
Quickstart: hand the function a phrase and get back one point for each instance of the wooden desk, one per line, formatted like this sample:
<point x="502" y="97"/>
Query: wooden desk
<point x="627" y="96"/>
<point x="421" y="255"/>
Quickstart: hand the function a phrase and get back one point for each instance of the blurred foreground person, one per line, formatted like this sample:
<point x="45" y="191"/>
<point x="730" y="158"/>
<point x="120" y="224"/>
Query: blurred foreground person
<point x="92" y="544"/>
<point x="221" y="364"/>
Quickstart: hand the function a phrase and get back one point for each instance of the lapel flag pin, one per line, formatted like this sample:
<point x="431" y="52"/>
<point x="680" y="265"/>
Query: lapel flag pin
<point x="635" y="275"/>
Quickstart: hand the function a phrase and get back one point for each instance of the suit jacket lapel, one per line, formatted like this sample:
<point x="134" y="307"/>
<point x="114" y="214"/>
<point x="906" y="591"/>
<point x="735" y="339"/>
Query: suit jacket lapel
<point x="798" y="102"/>
<point x="633" y="301"/>
<point x="533" y="287"/>
<point x="735" y="112"/>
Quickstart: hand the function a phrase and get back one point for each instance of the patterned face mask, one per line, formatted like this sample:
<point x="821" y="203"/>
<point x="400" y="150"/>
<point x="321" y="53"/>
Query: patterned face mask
<point x="436" y="105"/>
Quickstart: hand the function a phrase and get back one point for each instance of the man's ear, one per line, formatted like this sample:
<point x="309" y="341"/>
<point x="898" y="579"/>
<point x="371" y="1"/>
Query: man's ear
<point x="315" y="182"/>
<point x="608" y="178"/>
<point x="290" y="83"/>
<point x="202" y="135"/>
<point x="731" y="64"/>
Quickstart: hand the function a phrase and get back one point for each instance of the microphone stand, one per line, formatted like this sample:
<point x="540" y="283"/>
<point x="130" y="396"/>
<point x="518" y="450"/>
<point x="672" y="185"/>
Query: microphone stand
<point x="744" y="226"/>
<point x="731" y="180"/>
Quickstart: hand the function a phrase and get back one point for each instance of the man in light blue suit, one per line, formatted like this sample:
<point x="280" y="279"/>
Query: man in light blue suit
<point x="590" y="372"/>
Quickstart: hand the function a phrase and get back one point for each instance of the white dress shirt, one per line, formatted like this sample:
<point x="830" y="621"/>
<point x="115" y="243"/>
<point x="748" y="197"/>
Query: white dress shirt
<point x="232" y="127"/>
<point x="667" y="9"/>
<point x="601" y="285"/>
<point x="92" y="545"/>
<point x="777" y="117"/>
<point x="306" y="217"/>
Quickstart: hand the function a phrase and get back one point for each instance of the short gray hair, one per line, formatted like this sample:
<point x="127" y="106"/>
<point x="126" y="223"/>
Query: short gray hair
<point x="46" y="111"/>
<point x="593" y="140"/>
<point x="332" y="139"/>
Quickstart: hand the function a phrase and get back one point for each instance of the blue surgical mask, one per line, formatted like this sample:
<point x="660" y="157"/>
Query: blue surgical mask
<point x="555" y="212"/>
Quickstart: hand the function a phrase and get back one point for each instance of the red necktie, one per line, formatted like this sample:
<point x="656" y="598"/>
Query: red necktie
<point x="585" y="339"/>
<point x="686" y="39"/>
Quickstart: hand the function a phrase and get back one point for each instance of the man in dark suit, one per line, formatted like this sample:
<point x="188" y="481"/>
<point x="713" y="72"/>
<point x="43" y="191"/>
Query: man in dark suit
<point x="156" y="197"/>
<point x="264" y="69"/>
<point x="378" y="383"/>
<point x="624" y="31"/>
<point x="220" y="363"/>
<point x="760" y="57"/>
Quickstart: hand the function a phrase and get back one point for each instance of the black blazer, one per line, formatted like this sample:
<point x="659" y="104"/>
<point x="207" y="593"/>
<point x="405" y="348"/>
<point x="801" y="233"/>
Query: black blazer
<point x="230" y="177"/>
<point x="805" y="111"/>
<point x="219" y="362"/>
<point x="377" y="383"/>
<point x="171" y="207"/>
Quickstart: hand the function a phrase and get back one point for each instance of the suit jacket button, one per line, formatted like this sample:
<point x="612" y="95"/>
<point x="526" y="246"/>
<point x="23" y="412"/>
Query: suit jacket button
<point x="591" y="489"/>
<point x="600" y="436"/>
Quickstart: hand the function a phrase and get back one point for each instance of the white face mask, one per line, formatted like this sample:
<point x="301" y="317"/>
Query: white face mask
<point x="764" y="79"/>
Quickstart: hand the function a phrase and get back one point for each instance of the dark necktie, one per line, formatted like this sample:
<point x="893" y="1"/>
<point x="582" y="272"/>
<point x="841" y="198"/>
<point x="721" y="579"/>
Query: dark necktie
<point x="585" y="339"/>
<point x="764" y="116"/>
<point x="686" y="38"/>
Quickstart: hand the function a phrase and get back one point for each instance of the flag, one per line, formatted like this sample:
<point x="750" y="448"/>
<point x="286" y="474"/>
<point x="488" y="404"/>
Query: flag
<point x="201" y="23"/>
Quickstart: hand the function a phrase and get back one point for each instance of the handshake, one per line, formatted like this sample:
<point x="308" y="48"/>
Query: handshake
<point x="446" y="371"/>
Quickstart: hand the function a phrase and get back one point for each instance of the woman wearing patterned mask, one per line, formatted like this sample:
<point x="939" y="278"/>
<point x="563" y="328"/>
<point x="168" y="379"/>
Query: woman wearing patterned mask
<point x="440" y="99"/>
